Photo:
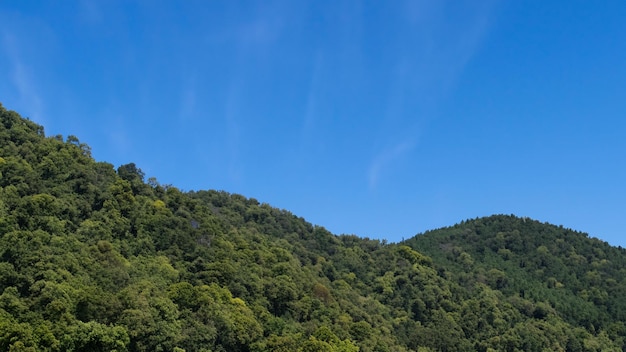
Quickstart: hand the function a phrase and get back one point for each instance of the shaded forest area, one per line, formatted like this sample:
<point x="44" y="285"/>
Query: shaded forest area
<point x="94" y="258"/>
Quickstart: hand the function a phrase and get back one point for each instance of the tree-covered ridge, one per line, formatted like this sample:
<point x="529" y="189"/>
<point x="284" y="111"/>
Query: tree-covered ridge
<point x="94" y="258"/>
<point x="580" y="280"/>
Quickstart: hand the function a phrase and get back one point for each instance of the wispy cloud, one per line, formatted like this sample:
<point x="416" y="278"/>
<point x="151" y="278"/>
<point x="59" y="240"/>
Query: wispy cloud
<point x="311" y="109"/>
<point x="119" y="137"/>
<point x="233" y="130"/>
<point x="256" y="33"/>
<point x="113" y="123"/>
<point x="386" y="158"/>
<point x="90" y="11"/>
<point x="447" y="43"/>
<point x="21" y="76"/>
<point x="260" y="31"/>
<point x="423" y="77"/>
<point x="188" y="99"/>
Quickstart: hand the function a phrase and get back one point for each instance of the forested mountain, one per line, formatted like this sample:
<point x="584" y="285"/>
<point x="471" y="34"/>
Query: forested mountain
<point x="94" y="258"/>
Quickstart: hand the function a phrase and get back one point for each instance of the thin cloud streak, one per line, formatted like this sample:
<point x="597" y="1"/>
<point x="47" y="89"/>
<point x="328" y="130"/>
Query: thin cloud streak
<point x="312" y="103"/>
<point x="22" y="79"/>
<point x="233" y="130"/>
<point x="258" y="32"/>
<point x="90" y="12"/>
<point x="450" y="55"/>
<point x="118" y="135"/>
<point x="421" y="83"/>
<point x="188" y="100"/>
<point x="385" y="159"/>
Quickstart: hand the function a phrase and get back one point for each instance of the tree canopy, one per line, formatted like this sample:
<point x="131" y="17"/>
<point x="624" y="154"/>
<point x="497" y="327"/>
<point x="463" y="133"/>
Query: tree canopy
<point x="94" y="258"/>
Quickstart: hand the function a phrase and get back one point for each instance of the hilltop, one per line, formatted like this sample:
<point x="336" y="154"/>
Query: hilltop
<point x="97" y="258"/>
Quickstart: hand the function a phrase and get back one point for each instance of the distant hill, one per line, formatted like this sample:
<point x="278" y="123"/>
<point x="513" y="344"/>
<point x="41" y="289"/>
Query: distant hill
<point x="97" y="258"/>
<point x="580" y="280"/>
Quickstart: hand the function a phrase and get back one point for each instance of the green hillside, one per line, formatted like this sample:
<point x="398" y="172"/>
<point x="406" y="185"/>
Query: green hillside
<point x="97" y="258"/>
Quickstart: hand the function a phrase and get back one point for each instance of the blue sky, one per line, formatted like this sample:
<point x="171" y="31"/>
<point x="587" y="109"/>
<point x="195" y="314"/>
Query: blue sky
<point x="378" y="118"/>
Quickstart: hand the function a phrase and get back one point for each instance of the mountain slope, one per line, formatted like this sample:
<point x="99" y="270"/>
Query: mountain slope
<point x="94" y="258"/>
<point x="582" y="278"/>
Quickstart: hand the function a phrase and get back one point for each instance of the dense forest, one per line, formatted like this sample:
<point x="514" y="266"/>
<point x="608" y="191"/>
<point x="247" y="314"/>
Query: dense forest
<point x="97" y="258"/>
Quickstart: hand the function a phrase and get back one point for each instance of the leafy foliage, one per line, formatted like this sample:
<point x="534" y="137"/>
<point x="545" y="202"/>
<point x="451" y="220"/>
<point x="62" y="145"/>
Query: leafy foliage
<point x="97" y="259"/>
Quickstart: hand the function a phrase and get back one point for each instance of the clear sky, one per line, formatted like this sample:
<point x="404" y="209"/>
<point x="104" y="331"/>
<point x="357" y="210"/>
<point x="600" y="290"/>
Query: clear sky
<point x="378" y="118"/>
